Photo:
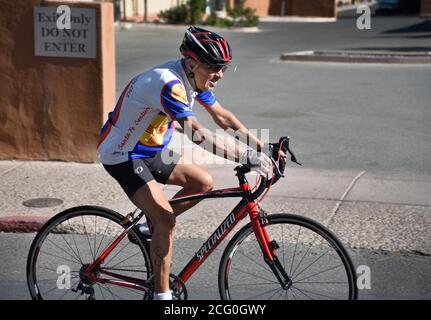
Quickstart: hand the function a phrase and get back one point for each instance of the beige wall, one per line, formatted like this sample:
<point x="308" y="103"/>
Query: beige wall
<point x="425" y="8"/>
<point x="135" y="8"/>
<point x="52" y="108"/>
<point x="309" y="8"/>
<point x="262" y="7"/>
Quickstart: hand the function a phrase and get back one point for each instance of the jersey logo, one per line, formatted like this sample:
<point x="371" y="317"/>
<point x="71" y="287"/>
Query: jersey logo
<point x="179" y="93"/>
<point x="155" y="132"/>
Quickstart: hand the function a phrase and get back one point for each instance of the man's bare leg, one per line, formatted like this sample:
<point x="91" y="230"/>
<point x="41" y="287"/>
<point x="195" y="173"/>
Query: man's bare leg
<point x="153" y="202"/>
<point x="193" y="179"/>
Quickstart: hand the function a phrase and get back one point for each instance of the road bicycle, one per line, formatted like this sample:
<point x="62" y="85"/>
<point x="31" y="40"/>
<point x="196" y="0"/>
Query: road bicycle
<point x="86" y="253"/>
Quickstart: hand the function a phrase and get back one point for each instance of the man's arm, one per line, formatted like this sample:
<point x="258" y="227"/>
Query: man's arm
<point x="227" y="120"/>
<point x="208" y="140"/>
<point x="225" y="147"/>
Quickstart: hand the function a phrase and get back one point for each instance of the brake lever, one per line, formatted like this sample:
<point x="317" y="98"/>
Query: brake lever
<point x="287" y="147"/>
<point x="293" y="158"/>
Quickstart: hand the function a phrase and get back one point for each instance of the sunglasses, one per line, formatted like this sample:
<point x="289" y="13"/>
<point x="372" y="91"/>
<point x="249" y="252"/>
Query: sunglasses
<point x="216" y="68"/>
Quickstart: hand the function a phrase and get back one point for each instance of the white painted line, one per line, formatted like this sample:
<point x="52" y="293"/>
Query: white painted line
<point x="338" y="204"/>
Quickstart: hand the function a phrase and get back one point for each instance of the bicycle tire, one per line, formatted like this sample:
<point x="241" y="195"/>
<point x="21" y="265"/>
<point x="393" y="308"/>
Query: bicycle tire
<point x="67" y="226"/>
<point x="235" y="277"/>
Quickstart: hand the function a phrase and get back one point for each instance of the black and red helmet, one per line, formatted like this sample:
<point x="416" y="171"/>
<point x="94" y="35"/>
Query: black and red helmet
<point x="205" y="46"/>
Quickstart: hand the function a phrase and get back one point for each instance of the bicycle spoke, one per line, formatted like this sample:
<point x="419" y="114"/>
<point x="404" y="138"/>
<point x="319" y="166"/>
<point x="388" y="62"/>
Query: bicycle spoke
<point x="103" y="237"/>
<point x="95" y="237"/>
<point x="77" y="248"/>
<point x="69" y="290"/>
<point x="305" y="254"/>
<point x="261" y="294"/>
<point x="280" y="292"/>
<point x="77" y="256"/>
<point x="113" y="295"/>
<point x="56" y="256"/>
<point x="255" y="262"/>
<point x="312" y="263"/>
<point x="111" y="241"/>
<point x="131" y="256"/>
<point x="88" y="239"/>
<point x="332" y="268"/>
<point x="282" y="241"/>
<point x="101" y="291"/>
<point x="56" y="287"/>
<point x="253" y="275"/>
<point x="132" y="290"/>
<point x="300" y="291"/>
<point x="63" y="250"/>
<point x="315" y="293"/>
<point x="251" y="284"/>
<point x="323" y="282"/>
<point x="294" y="252"/>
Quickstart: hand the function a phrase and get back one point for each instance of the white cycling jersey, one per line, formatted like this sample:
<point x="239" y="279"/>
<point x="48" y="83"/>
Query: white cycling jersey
<point x="141" y="124"/>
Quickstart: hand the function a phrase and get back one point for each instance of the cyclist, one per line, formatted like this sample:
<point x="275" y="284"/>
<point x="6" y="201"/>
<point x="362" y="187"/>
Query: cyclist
<point x="142" y="124"/>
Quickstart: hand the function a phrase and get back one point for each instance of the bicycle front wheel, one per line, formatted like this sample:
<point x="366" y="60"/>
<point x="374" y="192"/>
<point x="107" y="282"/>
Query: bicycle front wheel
<point x="315" y="260"/>
<point x="74" y="239"/>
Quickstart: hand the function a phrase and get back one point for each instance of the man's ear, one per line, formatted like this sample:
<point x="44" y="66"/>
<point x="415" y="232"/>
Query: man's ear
<point x="192" y="65"/>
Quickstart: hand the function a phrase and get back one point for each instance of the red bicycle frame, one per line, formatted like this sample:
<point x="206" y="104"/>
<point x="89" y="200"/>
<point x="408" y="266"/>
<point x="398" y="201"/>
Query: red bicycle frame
<point x="246" y="206"/>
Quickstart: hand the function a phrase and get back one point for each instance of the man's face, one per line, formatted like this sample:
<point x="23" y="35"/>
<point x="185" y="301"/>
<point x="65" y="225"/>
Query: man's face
<point x="207" y="76"/>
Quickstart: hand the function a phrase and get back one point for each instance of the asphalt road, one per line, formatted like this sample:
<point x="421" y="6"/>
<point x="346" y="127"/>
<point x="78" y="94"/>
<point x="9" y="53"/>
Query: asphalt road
<point x="393" y="276"/>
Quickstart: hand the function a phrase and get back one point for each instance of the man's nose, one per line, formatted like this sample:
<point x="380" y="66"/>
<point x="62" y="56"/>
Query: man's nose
<point x="220" y="73"/>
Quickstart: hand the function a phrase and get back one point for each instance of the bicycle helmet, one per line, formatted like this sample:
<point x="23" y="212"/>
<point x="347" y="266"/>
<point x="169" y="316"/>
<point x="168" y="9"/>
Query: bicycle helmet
<point x="205" y="46"/>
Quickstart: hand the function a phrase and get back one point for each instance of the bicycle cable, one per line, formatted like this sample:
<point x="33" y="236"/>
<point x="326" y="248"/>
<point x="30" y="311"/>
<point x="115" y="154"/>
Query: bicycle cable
<point x="273" y="176"/>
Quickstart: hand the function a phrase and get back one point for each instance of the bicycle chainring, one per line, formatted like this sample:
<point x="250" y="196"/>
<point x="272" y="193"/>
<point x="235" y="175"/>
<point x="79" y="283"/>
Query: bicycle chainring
<point x="176" y="285"/>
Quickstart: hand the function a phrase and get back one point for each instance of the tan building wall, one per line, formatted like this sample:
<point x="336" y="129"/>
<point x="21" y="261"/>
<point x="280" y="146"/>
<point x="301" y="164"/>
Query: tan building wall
<point x="425" y="8"/>
<point x="135" y="9"/>
<point x="262" y="7"/>
<point x="52" y="108"/>
<point x="301" y="8"/>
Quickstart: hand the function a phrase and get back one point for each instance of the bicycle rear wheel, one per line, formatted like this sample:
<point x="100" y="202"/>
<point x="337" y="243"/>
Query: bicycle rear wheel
<point x="72" y="240"/>
<point x="315" y="260"/>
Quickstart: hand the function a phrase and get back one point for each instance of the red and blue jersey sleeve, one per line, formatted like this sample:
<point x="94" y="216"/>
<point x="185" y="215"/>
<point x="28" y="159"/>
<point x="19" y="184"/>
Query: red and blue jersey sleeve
<point x="206" y="98"/>
<point x="174" y="100"/>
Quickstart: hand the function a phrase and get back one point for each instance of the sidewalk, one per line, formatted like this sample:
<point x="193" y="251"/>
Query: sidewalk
<point x="364" y="209"/>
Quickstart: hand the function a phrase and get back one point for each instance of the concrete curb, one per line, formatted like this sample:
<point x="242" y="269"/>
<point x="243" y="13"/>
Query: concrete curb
<point x="359" y="57"/>
<point x="296" y="19"/>
<point x="127" y="26"/>
<point x="22" y="224"/>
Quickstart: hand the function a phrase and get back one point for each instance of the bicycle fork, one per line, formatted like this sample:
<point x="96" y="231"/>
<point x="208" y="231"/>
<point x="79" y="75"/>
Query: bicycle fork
<point x="268" y="247"/>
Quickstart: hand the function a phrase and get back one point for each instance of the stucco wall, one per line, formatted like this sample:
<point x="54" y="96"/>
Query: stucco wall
<point x="301" y="8"/>
<point x="425" y="8"/>
<point x="52" y="108"/>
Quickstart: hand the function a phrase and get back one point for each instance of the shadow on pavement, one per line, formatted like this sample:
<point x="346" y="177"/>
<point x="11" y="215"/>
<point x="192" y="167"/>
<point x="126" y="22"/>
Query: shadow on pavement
<point x="424" y="26"/>
<point x="395" y="49"/>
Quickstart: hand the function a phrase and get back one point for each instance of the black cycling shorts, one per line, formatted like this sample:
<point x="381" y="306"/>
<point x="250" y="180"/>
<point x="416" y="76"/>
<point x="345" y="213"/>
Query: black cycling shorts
<point x="135" y="173"/>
